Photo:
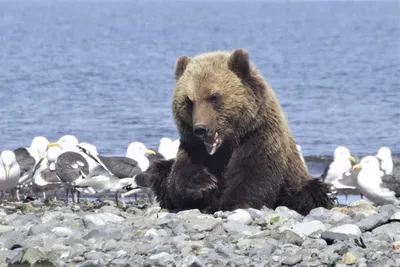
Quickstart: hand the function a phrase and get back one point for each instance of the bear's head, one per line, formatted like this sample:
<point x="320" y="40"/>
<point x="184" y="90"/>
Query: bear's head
<point x="218" y="98"/>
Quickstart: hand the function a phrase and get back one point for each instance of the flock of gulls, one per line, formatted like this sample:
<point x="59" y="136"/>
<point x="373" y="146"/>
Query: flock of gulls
<point x="377" y="177"/>
<point x="46" y="167"/>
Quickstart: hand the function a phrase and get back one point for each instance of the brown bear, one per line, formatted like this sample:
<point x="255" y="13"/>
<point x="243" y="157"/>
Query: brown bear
<point x="236" y="148"/>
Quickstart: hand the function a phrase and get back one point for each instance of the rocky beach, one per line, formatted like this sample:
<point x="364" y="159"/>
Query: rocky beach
<point x="98" y="233"/>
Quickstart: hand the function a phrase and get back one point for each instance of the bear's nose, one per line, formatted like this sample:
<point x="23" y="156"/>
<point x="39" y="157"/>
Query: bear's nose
<point x="200" y="130"/>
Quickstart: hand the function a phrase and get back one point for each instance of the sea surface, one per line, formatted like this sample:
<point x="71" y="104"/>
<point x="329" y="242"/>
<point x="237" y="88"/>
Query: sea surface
<point x="104" y="70"/>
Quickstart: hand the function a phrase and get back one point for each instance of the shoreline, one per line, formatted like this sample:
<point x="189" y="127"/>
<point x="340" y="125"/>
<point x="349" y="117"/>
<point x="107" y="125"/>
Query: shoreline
<point x="97" y="233"/>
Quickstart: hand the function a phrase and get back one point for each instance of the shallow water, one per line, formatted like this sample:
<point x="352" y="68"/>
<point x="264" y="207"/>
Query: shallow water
<point x="103" y="70"/>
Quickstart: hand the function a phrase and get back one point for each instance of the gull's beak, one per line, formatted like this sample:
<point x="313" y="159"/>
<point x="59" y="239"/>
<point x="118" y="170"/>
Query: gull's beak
<point x="357" y="167"/>
<point x="52" y="144"/>
<point x="7" y="171"/>
<point x="352" y="159"/>
<point x="150" y="152"/>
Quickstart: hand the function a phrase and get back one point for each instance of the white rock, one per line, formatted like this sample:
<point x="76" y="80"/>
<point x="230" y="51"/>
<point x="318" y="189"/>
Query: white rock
<point x="61" y="231"/>
<point x="241" y="216"/>
<point x="152" y="210"/>
<point x="102" y="219"/>
<point x="256" y="212"/>
<point x="348" y="229"/>
<point x="49" y="216"/>
<point x="396" y="216"/>
<point x="6" y="228"/>
<point x="188" y="214"/>
<point x="307" y="228"/>
<point x="151" y="232"/>
<point x="163" y="258"/>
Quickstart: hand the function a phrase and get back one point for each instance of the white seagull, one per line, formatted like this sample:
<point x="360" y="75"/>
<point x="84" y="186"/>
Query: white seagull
<point x="377" y="186"/>
<point x="9" y="171"/>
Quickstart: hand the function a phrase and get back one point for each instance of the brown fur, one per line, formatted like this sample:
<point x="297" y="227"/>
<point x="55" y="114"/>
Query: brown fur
<point x="258" y="162"/>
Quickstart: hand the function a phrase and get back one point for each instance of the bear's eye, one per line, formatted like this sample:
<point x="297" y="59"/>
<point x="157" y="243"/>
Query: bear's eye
<point x="214" y="99"/>
<point x="189" y="103"/>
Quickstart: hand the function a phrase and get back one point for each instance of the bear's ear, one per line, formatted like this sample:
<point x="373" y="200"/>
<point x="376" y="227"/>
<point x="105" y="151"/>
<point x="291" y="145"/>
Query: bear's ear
<point x="239" y="62"/>
<point x="181" y="65"/>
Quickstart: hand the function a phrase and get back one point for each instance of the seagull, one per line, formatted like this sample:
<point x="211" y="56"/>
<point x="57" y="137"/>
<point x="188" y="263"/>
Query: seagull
<point x="377" y="186"/>
<point x="67" y="165"/>
<point x="66" y="143"/>
<point x="71" y="166"/>
<point x="385" y="155"/>
<point x="44" y="175"/>
<point x="9" y="171"/>
<point x="115" y="172"/>
<point x="342" y="162"/>
<point x="27" y="158"/>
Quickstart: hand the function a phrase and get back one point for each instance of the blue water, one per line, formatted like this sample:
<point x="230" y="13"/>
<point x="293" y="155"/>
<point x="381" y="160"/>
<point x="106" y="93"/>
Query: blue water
<point x="104" y="70"/>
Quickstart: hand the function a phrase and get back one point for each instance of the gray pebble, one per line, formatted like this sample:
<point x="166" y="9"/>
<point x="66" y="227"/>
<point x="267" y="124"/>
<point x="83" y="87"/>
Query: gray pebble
<point x="290" y="237"/>
<point x="293" y="260"/>
<point x="236" y="227"/>
<point x="389" y="229"/>
<point x="373" y="221"/>
<point x="162" y="259"/>
<point x="6" y="228"/>
<point x="314" y="243"/>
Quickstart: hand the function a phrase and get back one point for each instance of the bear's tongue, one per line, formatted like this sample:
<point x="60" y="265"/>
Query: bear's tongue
<point x="212" y="144"/>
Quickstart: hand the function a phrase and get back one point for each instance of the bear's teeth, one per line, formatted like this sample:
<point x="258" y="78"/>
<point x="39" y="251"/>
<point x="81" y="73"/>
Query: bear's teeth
<point x="211" y="148"/>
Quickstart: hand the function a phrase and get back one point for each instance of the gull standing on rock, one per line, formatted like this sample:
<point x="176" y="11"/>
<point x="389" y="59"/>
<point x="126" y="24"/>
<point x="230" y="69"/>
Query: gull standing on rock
<point x="27" y="158"/>
<point x="377" y="186"/>
<point x="342" y="162"/>
<point x="70" y="164"/>
<point x="116" y="172"/>
<point x="9" y="171"/>
<point x="44" y="175"/>
<point x="385" y="155"/>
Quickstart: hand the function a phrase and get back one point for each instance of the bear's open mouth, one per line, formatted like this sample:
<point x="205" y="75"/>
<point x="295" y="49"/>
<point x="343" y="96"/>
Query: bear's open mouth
<point x="213" y="143"/>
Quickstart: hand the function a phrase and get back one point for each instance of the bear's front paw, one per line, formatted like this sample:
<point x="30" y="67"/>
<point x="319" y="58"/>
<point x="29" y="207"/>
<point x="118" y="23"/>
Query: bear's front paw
<point x="198" y="189"/>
